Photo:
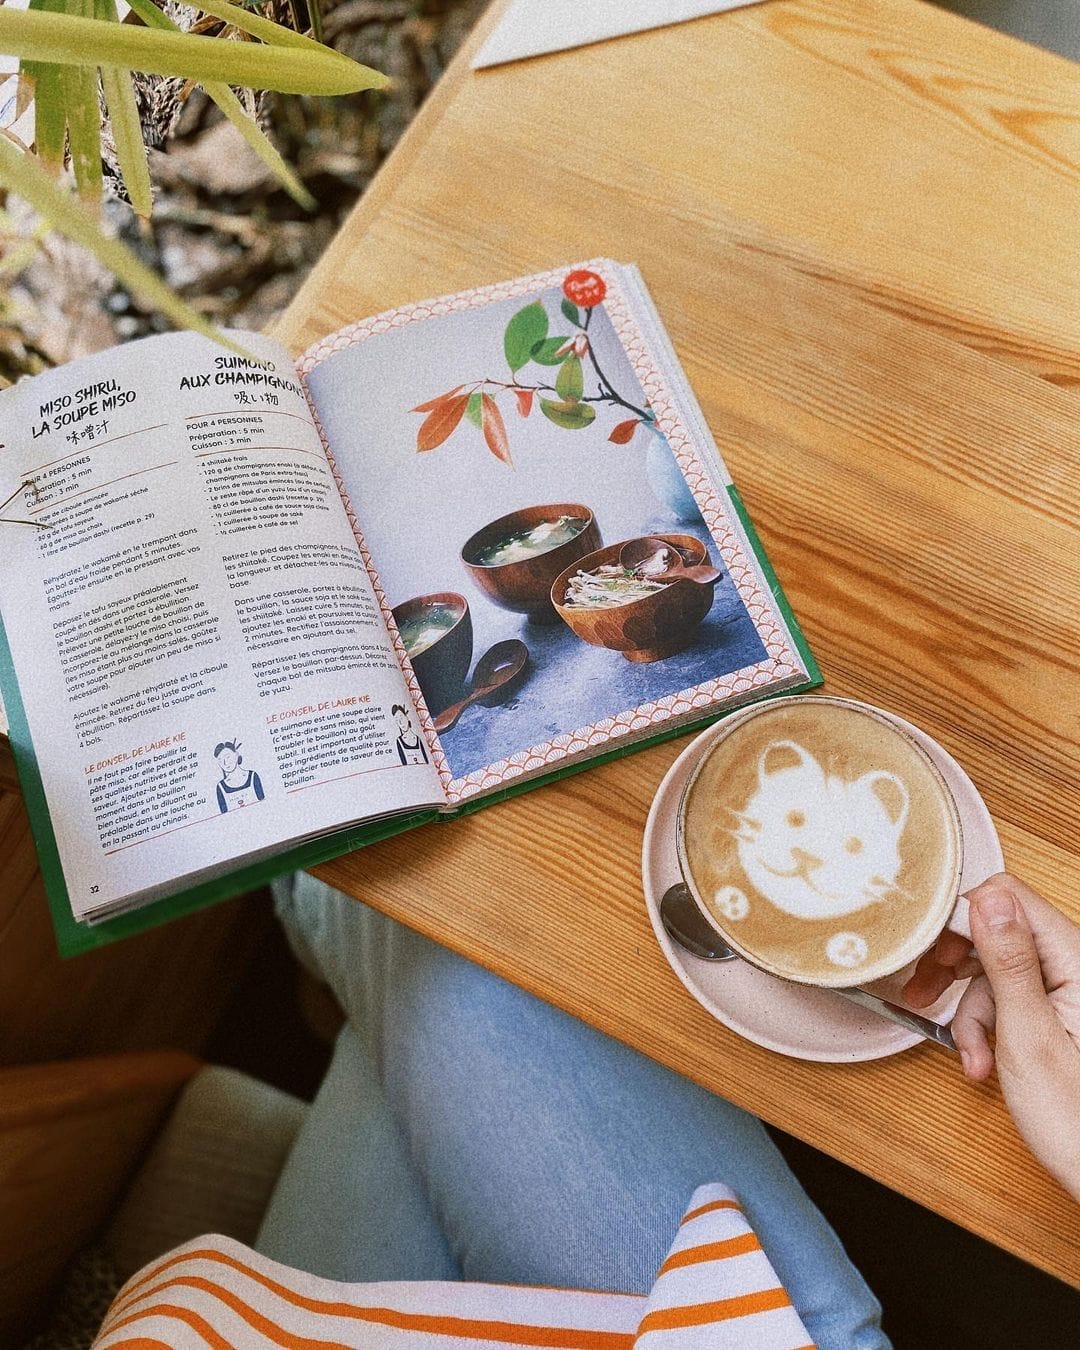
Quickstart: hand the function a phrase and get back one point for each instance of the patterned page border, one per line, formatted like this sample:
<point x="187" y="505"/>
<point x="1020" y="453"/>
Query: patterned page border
<point x="782" y="661"/>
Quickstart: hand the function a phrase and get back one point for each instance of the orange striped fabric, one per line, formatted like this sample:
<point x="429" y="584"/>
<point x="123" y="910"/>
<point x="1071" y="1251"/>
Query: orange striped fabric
<point x="711" y="1251"/>
<point x="716" y="1289"/>
<point x="710" y="1207"/>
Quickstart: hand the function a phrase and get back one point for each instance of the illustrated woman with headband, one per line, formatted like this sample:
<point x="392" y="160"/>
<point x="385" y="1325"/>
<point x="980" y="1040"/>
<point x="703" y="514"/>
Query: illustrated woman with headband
<point x="410" y="748"/>
<point x="237" y="786"/>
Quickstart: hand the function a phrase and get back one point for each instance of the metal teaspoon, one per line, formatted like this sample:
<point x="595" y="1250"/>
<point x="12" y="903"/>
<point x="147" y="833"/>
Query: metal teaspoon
<point x="683" y="924"/>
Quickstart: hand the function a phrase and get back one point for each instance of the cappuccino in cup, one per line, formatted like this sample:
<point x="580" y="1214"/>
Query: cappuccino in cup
<point x="821" y="841"/>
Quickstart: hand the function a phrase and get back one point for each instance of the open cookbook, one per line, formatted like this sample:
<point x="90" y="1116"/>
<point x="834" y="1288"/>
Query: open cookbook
<point x="257" y="613"/>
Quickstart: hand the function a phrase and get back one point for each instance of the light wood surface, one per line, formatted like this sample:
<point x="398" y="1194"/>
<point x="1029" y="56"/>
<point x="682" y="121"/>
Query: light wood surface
<point x="859" y="220"/>
<point x="70" y="1135"/>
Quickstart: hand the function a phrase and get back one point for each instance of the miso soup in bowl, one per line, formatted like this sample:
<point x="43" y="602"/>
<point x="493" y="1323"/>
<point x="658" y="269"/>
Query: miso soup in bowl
<point x="515" y="559"/>
<point x="610" y="605"/>
<point x="531" y="540"/>
<point x="436" y="631"/>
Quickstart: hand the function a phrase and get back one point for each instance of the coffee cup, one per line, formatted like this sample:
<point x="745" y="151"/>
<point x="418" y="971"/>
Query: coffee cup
<point x="821" y="841"/>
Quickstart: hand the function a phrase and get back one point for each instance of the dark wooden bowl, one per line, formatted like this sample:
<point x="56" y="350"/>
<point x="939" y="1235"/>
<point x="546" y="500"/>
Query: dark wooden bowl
<point x="441" y="669"/>
<point x="525" y="586"/>
<point x="648" y="629"/>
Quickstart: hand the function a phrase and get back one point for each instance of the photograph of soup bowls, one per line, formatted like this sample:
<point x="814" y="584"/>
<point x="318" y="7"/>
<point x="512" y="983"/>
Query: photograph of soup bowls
<point x="651" y="628"/>
<point x="437" y="632"/>
<point x="524" y="584"/>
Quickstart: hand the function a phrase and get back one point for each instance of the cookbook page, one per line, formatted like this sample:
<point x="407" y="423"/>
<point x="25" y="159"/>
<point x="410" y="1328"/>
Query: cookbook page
<point x="533" y="480"/>
<point x="196" y="647"/>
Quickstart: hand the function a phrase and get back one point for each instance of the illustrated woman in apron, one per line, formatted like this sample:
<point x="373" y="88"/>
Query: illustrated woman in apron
<point x="411" y="749"/>
<point x="237" y="786"/>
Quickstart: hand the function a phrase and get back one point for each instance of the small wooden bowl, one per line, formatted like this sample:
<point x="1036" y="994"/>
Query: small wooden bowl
<point x="525" y="586"/>
<point x="441" y="669"/>
<point x="648" y="629"/>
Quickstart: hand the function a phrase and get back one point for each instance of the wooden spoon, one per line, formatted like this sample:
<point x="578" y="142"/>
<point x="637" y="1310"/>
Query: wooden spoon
<point x="637" y="551"/>
<point x="495" y="670"/>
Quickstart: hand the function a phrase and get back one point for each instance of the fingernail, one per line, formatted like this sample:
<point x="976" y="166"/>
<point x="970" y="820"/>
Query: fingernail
<point x="966" y="1062"/>
<point x="997" y="908"/>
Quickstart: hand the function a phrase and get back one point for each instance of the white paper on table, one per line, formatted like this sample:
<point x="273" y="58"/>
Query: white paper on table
<point x="531" y="27"/>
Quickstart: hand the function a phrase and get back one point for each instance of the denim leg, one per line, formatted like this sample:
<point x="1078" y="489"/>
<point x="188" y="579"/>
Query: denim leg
<point x="350" y="1204"/>
<point x="550" y="1153"/>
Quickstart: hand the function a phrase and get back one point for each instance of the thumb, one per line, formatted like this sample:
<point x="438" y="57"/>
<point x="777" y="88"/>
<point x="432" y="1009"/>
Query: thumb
<point x="1006" y="947"/>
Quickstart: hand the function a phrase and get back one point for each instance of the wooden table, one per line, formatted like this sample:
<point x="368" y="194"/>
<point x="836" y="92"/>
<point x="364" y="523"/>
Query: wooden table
<point x="859" y="219"/>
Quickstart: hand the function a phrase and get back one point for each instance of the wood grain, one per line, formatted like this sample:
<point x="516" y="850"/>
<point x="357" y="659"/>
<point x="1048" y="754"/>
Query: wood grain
<point x="859" y="219"/>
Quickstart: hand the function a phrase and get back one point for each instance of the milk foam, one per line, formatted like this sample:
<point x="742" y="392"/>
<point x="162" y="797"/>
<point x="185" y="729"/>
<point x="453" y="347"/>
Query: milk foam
<point x="821" y="840"/>
<point x="815" y="844"/>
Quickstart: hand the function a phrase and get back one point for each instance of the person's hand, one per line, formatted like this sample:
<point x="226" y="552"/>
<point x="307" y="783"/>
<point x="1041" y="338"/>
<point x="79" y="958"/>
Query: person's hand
<point x="1025" y="993"/>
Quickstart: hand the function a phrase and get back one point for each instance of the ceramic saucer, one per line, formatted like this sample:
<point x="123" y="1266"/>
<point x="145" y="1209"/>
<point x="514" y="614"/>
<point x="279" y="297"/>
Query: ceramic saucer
<point x="794" y="1019"/>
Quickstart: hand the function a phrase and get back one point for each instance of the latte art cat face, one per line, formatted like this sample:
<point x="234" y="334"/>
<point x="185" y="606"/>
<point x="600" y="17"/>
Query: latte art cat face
<point x="821" y="841"/>
<point x="815" y="844"/>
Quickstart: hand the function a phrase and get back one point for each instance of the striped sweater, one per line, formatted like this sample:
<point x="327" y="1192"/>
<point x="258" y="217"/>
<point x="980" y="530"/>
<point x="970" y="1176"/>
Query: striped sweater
<point x="715" y="1291"/>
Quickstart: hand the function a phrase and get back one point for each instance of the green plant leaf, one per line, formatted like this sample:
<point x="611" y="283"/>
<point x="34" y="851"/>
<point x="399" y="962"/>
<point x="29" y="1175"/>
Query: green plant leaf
<point x="126" y="127"/>
<point x="84" y="129"/>
<point x="528" y="327"/>
<point x="570" y="382"/>
<point x="569" y="416"/>
<point x="23" y="175"/>
<point x="250" y="22"/>
<point x="66" y="113"/>
<point x="279" y="35"/>
<point x="151" y="15"/>
<point x="75" y="41"/>
<point x="570" y="310"/>
<point x="314" y="11"/>
<point x="83" y="113"/>
<point x="127" y="136"/>
<point x="474" y="409"/>
<point x="234" y="110"/>
<point x="545" y="352"/>
<point x="50" y="120"/>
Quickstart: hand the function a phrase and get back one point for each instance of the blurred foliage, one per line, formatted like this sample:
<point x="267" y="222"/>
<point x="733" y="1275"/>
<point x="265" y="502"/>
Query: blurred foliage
<point x="224" y="234"/>
<point x="78" y="62"/>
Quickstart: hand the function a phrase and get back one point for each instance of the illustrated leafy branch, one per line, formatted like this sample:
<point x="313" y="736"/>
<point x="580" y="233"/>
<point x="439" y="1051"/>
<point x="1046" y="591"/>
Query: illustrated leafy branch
<point x="564" y="402"/>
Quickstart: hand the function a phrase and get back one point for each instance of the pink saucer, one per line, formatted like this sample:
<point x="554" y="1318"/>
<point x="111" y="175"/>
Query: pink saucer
<point x="789" y="1018"/>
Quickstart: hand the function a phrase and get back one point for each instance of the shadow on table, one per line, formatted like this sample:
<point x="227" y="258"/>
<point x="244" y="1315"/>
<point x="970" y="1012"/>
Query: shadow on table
<point x="1053" y="24"/>
<point x="942" y="1288"/>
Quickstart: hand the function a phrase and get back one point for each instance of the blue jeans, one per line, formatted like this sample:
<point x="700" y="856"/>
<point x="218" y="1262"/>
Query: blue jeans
<point x="466" y="1130"/>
